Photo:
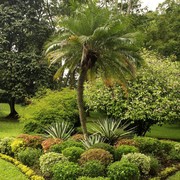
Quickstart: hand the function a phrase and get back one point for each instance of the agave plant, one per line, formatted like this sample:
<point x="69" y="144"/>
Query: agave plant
<point x="92" y="139"/>
<point x="111" y="129"/>
<point x="61" y="130"/>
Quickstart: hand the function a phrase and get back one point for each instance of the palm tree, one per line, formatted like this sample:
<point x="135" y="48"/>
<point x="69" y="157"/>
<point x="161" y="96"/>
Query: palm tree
<point x="94" y="42"/>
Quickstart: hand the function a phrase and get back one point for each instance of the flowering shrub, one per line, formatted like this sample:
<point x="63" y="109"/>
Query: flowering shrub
<point x="5" y="145"/>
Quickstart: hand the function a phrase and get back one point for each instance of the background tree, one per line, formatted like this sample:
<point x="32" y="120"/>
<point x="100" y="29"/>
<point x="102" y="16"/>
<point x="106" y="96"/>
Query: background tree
<point x="94" y="41"/>
<point x="23" y="30"/>
<point x="153" y="97"/>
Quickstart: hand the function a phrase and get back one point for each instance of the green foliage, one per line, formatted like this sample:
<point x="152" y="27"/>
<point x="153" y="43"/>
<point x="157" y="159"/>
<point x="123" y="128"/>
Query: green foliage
<point x="96" y="154"/>
<point x="175" y="152"/>
<point x="73" y="153"/>
<point x="154" y="166"/>
<point x="29" y="156"/>
<point x="17" y="145"/>
<point x="110" y="129"/>
<point x="62" y="130"/>
<point x="5" y="145"/>
<point x="123" y="171"/>
<point x="104" y="146"/>
<point x="140" y="160"/>
<point x="124" y="149"/>
<point x="66" y="171"/>
<point x="93" y="169"/>
<point x="48" y="160"/>
<point x="91" y="140"/>
<point x="152" y="97"/>
<point x="54" y="107"/>
<point x="66" y="144"/>
<point x="89" y="178"/>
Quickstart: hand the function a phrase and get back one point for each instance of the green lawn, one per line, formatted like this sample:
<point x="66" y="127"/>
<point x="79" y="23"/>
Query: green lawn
<point x="176" y="176"/>
<point x="9" y="172"/>
<point x="165" y="132"/>
<point x="9" y="127"/>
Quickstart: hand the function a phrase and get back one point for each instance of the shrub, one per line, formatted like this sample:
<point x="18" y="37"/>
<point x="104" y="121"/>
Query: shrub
<point x="124" y="149"/>
<point x="141" y="160"/>
<point x="154" y="166"/>
<point x="77" y="137"/>
<point x="89" y="178"/>
<point x="122" y="170"/>
<point x="104" y="146"/>
<point x="70" y="143"/>
<point x="46" y="144"/>
<point x="48" y="160"/>
<point x="32" y="140"/>
<point x="5" y="145"/>
<point x="93" y="169"/>
<point x="17" y="145"/>
<point x="96" y="154"/>
<point x="148" y="145"/>
<point x="73" y="153"/>
<point x="56" y="106"/>
<point x="33" y="126"/>
<point x="175" y="152"/>
<point x="29" y="156"/>
<point x="130" y="142"/>
<point x="66" y="171"/>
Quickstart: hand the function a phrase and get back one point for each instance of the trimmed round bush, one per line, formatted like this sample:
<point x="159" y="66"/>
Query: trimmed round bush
<point x="5" y="145"/>
<point x="140" y="160"/>
<point x="93" y="169"/>
<point x="29" y="156"/>
<point x="124" y="149"/>
<point x="48" y="160"/>
<point x="175" y="152"/>
<point x="89" y="178"/>
<point x="77" y="137"/>
<point x="73" y="153"/>
<point x="130" y="142"/>
<point x="123" y="170"/>
<point x="104" y="146"/>
<point x="96" y="154"/>
<point x="66" y="144"/>
<point x="154" y="166"/>
<point x="66" y="171"/>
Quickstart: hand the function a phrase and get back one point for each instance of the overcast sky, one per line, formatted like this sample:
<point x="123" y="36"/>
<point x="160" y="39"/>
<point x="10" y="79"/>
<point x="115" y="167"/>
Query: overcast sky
<point x="152" y="4"/>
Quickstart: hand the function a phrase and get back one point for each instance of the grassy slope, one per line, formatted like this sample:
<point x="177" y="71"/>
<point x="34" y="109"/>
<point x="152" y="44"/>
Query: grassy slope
<point x="9" y="127"/>
<point x="9" y="171"/>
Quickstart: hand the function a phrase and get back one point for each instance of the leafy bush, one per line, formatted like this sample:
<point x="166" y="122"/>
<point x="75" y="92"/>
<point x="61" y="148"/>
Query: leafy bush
<point x="66" y="171"/>
<point x="175" y="152"/>
<point x="33" y="126"/>
<point x="46" y="144"/>
<point x="29" y="156"/>
<point x="61" y="130"/>
<point x="5" y="145"/>
<point x="154" y="166"/>
<point x="66" y="144"/>
<point x="77" y="137"/>
<point x="104" y="146"/>
<point x="122" y="170"/>
<point x="32" y="140"/>
<point x="93" y="169"/>
<point x="56" y="106"/>
<point x="108" y="129"/>
<point x="124" y="149"/>
<point x="73" y="153"/>
<point x="17" y="145"/>
<point x="140" y="160"/>
<point x="48" y="160"/>
<point x="125" y="141"/>
<point x="91" y="140"/>
<point x="148" y="145"/>
<point x="89" y="178"/>
<point x="96" y="154"/>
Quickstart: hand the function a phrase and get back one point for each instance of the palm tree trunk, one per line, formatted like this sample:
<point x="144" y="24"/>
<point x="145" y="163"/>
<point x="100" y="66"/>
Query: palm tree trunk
<point x="80" y="90"/>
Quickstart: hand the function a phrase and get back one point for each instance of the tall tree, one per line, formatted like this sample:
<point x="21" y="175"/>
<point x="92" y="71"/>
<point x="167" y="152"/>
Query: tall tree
<point x="94" y="43"/>
<point x="23" y="30"/>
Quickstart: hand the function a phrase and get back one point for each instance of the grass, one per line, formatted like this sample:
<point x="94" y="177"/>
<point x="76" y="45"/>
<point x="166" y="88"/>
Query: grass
<point x="9" y="171"/>
<point x="165" y="132"/>
<point x="9" y="127"/>
<point x="176" y="176"/>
